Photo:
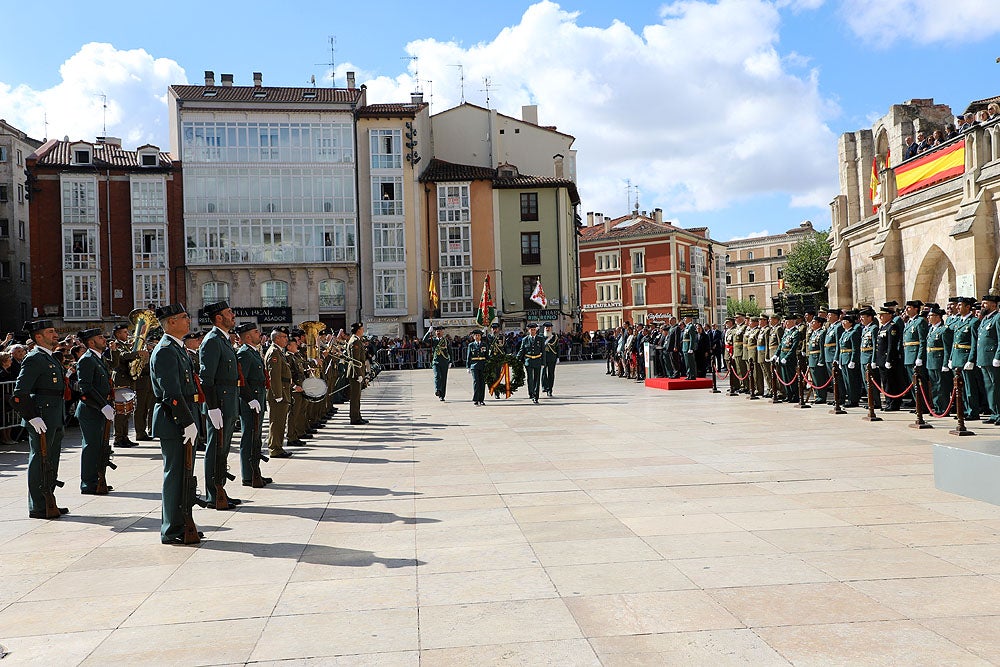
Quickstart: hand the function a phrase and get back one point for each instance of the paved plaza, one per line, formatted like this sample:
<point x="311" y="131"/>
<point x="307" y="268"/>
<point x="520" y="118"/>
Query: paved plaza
<point x="610" y="525"/>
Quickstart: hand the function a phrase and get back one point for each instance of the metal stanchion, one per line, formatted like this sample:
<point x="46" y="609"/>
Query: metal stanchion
<point x="838" y="409"/>
<point x="774" y="382"/>
<point x="802" y="384"/>
<point x="960" y="404"/>
<point x="715" y="372"/>
<point x="918" y="390"/>
<point x="871" y="417"/>
<point x="733" y="378"/>
<point x="754" y="396"/>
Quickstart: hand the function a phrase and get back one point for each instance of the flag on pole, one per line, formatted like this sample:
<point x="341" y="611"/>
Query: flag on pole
<point x="875" y="189"/>
<point x="487" y="310"/>
<point x="432" y="292"/>
<point x="538" y="296"/>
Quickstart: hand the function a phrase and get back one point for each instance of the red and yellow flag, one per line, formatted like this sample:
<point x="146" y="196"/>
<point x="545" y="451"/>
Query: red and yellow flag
<point x="874" y="191"/>
<point x="930" y="168"/>
<point x="487" y="309"/>
<point x="432" y="292"/>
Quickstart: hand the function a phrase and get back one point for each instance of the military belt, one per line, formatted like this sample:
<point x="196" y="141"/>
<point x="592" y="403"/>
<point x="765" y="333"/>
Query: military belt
<point x="815" y="351"/>
<point x="935" y="349"/>
<point x="911" y="342"/>
<point x="846" y="349"/>
<point x="831" y="345"/>
<point x="868" y="349"/>
<point x="533" y="356"/>
<point x="42" y="392"/>
<point x="964" y="347"/>
<point x="479" y="358"/>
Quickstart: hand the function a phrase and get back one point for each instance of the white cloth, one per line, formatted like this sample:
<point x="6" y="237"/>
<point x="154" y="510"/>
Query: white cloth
<point x="850" y="365"/>
<point x="108" y="412"/>
<point x="996" y="363"/>
<point x="38" y="424"/>
<point x="254" y="405"/>
<point x="920" y="362"/>
<point x="888" y="365"/>
<point x="968" y="366"/>
<point x="190" y="432"/>
<point x="215" y="416"/>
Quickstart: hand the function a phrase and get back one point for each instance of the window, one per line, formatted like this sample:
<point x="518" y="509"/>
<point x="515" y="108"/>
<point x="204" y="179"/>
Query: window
<point x="453" y="203"/>
<point x="681" y="259"/>
<point x="23" y="272"/>
<point x="332" y="296"/>
<point x="20" y="229"/>
<point x="527" y="289"/>
<point x="729" y="278"/>
<point x="3" y="153"/>
<point x="387" y="195"/>
<point x="529" y="206"/>
<point x="608" y="293"/>
<point x="682" y="287"/>
<point x="609" y="321"/>
<point x="455" y="245"/>
<point x="5" y="270"/>
<point x="639" y="317"/>
<point x="270" y="240"/>
<point x="20" y="157"/>
<point x="4" y="229"/>
<point x="80" y="297"/>
<point x="79" y="201"/>
<point x="149" y="248"/>
<point x="388" y="242"/>
<point x="81" y="156"/>
<point x="752" y="297"/>
<point x="150" y="160"/>
<point x="751" y="277"/>
<point x="386" y="149"/>
<point x="150" y="289"/>
<point x="606" y="261"/>
<point x="456" y="292"/>
<point x="531" y="252"/>
<point x="79" y="248"/>
<point x="781" y="273"/>
<point x="3" y="193"/>
<point x="214" y="292"/>
<point x="20" y="193"/>
<point x="390" y="289"/>
<point x="638" y="261"/>
<point x="749" y="254"/>
<point x="638" y="292"/>
<point x="274" y="294"/>
<point x="779" y="252"/>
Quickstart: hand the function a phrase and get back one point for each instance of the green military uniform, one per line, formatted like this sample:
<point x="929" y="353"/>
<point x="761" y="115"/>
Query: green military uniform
<point x="987" y="351"/>
<point x="119" y="362"/>
<point x="279" y="398"/>
<point x="963" y="352"/>
<point x="939" y="343"/>
<point x="689" y="346"/>
<point x="297" y="410"/>
<point x="253" y="388"/>
<point x="143" y="402"/>
<point x="831" y="352"/>
<point x="95" y="390"/>
<point x="773" y="347"/>
<point x="788" y="359"/>
<point x="475" y="361"/>
<point x="38" y="393"/>
<point x="219" y="379"/>
<point x="914" y="346"/>
<point x="849" y="347"/>
<point x="357" y="353"/>
<point x="532" y="349"/>
<point x="819" y="372"/>
<point x="440" y="362"/>
<point x="739" y="364"/>
<point x="550" y="357"/>
<point x="173" y="384"/>
<point x="868" y="333"/>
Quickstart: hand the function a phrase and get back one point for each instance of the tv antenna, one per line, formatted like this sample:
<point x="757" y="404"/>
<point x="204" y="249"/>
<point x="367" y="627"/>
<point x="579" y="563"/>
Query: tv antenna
<point x="416" y="69"/>
<point x="104" y="122"/>
<point x="461" y="80"/>
<point x="628" y="196"/>
<point x="333" y="61"/>
<point x="45" y="123"/>
<point x="488" y="85"/>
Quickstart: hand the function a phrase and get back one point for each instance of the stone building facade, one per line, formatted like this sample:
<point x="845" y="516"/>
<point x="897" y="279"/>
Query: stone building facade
<point x="15" y="250"/>
<point x="755" y="266"/>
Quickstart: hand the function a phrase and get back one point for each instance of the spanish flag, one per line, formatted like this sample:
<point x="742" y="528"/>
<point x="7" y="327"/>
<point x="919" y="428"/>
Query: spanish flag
<point x="432" y="292"/>
<point x="874" y="190"/>
<point x="930" y="168"/>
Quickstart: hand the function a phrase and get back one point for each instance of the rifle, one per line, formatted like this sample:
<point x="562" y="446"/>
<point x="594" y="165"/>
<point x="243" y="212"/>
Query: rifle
<point x="49" y="481"/>
<point x="189" y="496"/>
<point x="105" y="462"/>
<point x="221" y="472"/>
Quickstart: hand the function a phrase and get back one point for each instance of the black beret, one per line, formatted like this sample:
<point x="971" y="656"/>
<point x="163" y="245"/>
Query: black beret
<point x="835" y="311"/>
<point x="820" y="319"/>
<point x="244" y="327"/>
<point x="212" y="309"/>
<point x="868" y="310"/>
<point x="851" y="317"/>
<point x="888" y="310"/>
<point x="476" y="332"/>
<point x="163" y="312"/>
<point x="87" y="334"/>
<point x="967" y="300"/>
<point x="547" y="324"/>
<point x="936" y="311"/>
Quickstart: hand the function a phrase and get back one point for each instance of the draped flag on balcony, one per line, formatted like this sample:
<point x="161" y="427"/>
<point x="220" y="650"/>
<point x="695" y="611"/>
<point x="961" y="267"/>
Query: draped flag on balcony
<point x="487" y="310"/>
<point x="538" y="296"/>
<point x="930" y="168"/>
<point x="432" y="292"/>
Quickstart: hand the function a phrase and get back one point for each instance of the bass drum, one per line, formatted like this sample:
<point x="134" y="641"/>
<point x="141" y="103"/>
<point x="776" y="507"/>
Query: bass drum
<point x="314" y="389"/>
<point x="124" y="401"/>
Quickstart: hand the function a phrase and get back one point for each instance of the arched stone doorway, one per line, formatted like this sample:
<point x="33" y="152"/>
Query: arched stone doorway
<point x="935" y="280"/>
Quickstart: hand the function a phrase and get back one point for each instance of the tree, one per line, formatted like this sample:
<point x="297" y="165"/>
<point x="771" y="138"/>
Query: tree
<point x="748" y="307"/>
<point x="806" y="267"/>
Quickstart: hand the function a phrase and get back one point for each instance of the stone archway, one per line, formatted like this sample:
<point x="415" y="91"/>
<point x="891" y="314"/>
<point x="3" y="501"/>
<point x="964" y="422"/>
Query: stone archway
<point x="935" y="280"/>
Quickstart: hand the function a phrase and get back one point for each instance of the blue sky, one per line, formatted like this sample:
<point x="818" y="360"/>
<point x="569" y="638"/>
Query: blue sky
<point x="725" y="114"/>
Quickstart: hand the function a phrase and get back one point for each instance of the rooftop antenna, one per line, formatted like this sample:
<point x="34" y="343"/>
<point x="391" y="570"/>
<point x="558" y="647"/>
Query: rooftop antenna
<point x="45" y="122"/>
<point x="628" y="194"/>
<point x="430" y="92"/>
<point x="312" y="80"/>
<point x="333" y="62"/>
<point x="104" y="99"/>
<point x="489" y="84"/>
<point x="416" y="69"/>
<point x="461" y="80"/>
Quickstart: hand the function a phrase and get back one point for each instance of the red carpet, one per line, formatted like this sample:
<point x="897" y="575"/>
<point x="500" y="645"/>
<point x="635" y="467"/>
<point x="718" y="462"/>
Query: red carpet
<point x="668" y="384"/>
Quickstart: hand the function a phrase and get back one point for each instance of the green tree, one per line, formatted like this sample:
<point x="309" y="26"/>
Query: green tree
<point x="748" y="307"/>
<point x="806" y="267"/>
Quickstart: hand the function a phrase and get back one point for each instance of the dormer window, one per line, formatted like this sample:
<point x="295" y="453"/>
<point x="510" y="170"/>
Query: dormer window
<point x="309" y="94"/>
<point x="210" y="93"/>
<point x="149" y="160"/>
<point x="259" y="94"/>
<point x="82" y="156"/>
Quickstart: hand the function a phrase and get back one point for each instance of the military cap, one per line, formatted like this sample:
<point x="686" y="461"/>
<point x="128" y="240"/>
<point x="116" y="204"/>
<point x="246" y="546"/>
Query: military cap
<point x="532" y="325"/>
<point x="87" y="334"/>
<point x="193" y="335"/>
<point x="991" y="297"/>
<point x="244" y="327"/>
<point x="37" y="325"/>
<point x="954" y="299"/>
<point x="495" y="325"/>
<point x="810" y="311"/>
<point x="171" y="309"/>
<point x="476" y="332"/>
<point x="867" y="310"/>
<point x="296" y="332"/>
<point x="155" y="334"/>
<point x="854" y="311"/>
<point x="936" y="311"/>
<point x="820" y="319"/>
<point x="890" y="304"/>
<point x="279" y="330"/>
<point x="547" y="325"/>
<point x="967" y="300"/>
<point x="119" y="327"/>
<point x="791" y="316"/>
<point x="931" y="305"/>
<point x="728" y="319"/>
<point x="835" y="311"/>
<point x="849" y="316"/>
<point x="916" y="303"/>
<point x="890" y="310"/>
<point x="356" y="326"/>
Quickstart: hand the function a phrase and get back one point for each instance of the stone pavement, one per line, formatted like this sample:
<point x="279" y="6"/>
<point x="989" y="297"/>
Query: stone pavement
<point x="612" y="524"/>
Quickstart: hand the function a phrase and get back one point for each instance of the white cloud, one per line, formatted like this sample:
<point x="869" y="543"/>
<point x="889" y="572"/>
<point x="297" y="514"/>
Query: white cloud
<point x="135" y="84"/>
<point x="752" y="235"/>
<point x="699" y="110"/>
<point x="883" y="22"/>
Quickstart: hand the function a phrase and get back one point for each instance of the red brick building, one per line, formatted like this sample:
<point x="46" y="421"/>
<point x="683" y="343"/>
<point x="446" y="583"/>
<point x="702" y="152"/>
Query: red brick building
<point x="106" y="231"/>
<point x="638" y="268"/>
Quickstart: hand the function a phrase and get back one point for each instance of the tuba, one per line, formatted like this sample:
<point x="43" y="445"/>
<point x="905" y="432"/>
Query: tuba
<point x="143" y="321"/>
<point x="314" y="387"/>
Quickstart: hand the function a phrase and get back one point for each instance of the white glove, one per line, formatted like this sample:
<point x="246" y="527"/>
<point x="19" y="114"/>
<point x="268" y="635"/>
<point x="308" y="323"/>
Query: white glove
<point x="920" y="362"/>
<point x="278" y="399"/>
<point x="850" y="364"/>
<point x="968" y="366"/>
<point x="254" y="405"/>
<point x="948" y="366"/>
<point x="190" y="433"/>
<point x="38" y="424"/>
<point x="888" y="365"/>
<point x="783" y="361"/>
<point x="821" y="364"/>
<point x="108" y="412"/>
<point x="215" y="416"/>
<point x="996" y="363"/>
<point x="945" y="368"/>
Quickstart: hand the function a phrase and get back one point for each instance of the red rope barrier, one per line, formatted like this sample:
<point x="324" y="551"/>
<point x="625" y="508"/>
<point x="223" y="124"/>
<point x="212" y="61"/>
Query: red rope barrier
<point x="888" y="395"/>
<point x="927" y="404"/>
<point x="741" y="379"/>
<point x="788" y="384"/>
<point x="810" y="383"/>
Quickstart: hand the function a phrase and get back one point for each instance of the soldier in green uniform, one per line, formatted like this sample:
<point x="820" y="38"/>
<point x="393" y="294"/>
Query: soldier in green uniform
<point x="819" y="372"/>
<point x="988" y="354"/>
<point x="831" y="344"/>
<point x="475" y="361"/>
<point x="142" y="419"/>
<point x="775" y="332"/>
<point x="749" y="354"/>
<point x="357" y="355"/>
<point x="279" y="397"/>
<point x="532" y="348"/>
<point x="297" y="408"/>
<point x="914" y="342"/>
<point x="763" y="375"/>
<point x="788" y="357"/>
<point x="440" y="360"/>
<point x="120" y="357"/>
<point x="963" y="353"/>
<point x="739" y="366"/>
<point x="550" y="358"/>
<point x="219" y="375"/>
<point x="850" y="360"/>
<point x="94" y="410"/>
<point x="496" y="344"/>
<point x="869" y="330"/>
<point x="38" y="399"/>
<point x="174" y="424"/>
<point x="939" y="343"/>
<point x="689" y="346"/>
<point x="253" y="398"/>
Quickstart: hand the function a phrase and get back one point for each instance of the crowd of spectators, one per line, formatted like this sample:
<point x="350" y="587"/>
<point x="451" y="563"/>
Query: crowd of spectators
<point x="963" y="123"/>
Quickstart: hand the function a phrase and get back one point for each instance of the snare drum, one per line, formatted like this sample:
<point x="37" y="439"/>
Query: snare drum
<point x="124" y="401"/>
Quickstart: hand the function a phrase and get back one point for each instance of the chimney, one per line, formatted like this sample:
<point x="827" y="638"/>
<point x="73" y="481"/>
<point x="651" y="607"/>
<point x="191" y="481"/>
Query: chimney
<point x="209" y="78"/>
<point x="258" y="79"/>
<point x="590" y="218"/>
<point x="350" y="81"/>
<point x="227" y="80"/>
<point x="607" y="223"/>
<point x="416" y="98"/>
<point x="529" y="113"/>
<point x="558" y="160"/>
<point x="110" y="141"/>
<point x="658" y="214"/>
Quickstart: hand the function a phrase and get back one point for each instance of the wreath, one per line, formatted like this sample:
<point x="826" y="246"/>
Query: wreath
<point x="496" y="379"/>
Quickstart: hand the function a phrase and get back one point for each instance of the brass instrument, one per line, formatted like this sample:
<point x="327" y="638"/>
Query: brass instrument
<point x="143" y="320"/>
<point x="313" y="388"/>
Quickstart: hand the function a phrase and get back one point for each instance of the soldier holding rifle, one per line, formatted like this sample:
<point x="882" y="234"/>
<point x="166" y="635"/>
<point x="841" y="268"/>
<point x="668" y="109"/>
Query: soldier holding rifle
<point x="172" y="377"/>
<point x="38" y="398"/>
<point x="95" y="413"/>
<point x="219" y="377"/>
<point x="253" y="397"/>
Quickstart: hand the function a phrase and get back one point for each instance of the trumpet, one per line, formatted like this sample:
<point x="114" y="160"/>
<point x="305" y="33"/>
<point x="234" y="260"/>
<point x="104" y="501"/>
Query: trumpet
<point x="143" y="321"/>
